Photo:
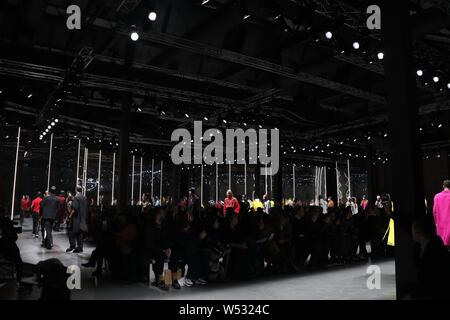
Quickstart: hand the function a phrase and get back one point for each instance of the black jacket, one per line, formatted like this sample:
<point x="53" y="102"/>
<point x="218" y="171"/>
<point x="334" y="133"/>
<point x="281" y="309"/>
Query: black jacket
<point x="50" y="207"/>
<point x="433" y="267"/>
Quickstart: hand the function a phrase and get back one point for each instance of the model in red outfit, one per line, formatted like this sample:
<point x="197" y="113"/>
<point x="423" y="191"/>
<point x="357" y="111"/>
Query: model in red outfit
<point x="231" y="201"/>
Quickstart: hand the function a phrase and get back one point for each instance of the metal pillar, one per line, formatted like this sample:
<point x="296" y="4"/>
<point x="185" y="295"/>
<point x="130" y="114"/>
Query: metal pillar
<point x="132" y="182"/>
<point x="15" y="175"/>
<point x="49" y="171"/>
<point x="113" y="178"/>
<point x="407" y="177"/>
<point x="78" y="164"/>
<point x="99" y="176"/>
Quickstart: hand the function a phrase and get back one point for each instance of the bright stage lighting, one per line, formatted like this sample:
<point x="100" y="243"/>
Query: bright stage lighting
<point x="134" y="36"/>
<point x="152" y="16"/>
<point x="356" y="45"/>
<point x="328" y="35"/>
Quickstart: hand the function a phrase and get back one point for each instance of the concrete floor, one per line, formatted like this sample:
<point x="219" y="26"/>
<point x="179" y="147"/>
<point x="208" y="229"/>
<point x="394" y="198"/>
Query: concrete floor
<point x="338" y="283"/>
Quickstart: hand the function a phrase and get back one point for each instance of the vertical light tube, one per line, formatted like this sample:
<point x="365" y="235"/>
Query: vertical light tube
<point x="265" y="178"/>
<point x="245" y="178"/>
<point x="99" y="176"/>
<point x="348" y="178"/>
<point x="229" y="175"/>
<point x="15" y="174"/>
<point x="201" y="185"/>
<point x="132" y="182"/>
<point x="84" y="172"/>
<point x="325" y="181"/>
<point x="78" y="163"/>
<point x="217" y="182"/>
<point x="49" y="171"/>
<point x="140" y="184"/>
<point x="153" y="169"/>
<point x="113" y="177"/>
<point x="86" y="157"/>
<point x="271" y="181"/>
<point x="161" y="183"/>
<point x="337" y="184"/>
<point x="293" y="181"/>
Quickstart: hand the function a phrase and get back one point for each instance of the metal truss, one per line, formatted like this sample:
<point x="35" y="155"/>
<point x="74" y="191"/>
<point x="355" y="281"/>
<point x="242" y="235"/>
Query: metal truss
<point x="128" y="6"/>
<point x="234" y="57"/>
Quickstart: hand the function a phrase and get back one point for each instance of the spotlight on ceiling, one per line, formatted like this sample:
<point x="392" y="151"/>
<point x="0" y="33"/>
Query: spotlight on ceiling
<point x="56" y="120"/>
<point x="380" y="55"/>
<point x="186" y="115"/>
<point x="419" y="72"/>
<point x="152" y="16"/>
<point x="328" y="35"/>
<point x="206" y="118"/>
<point x="204" y="2"/>
<point x="49" y="127"/>
<point x="134" y="36"/>
<point x="356" y="45"/>
<point x="30" y="95"/>
<point x="436" y="79"/>
<point x="448" y="85"/>
<point x="53" y="124"/>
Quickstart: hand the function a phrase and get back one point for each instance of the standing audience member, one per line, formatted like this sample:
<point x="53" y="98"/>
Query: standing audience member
<point x="441" y="212"/>
<point x="10" y="260"/>
<point x="432" y="260"/>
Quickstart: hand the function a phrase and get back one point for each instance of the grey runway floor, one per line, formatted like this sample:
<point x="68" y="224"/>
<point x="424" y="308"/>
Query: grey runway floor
<point x="340" y="283"/>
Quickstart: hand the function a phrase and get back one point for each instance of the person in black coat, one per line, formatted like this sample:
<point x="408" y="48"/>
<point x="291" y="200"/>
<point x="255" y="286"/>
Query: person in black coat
<point x="156" y="246"/>
<point x="50" y="206"/>
<point x="432" y="261"/>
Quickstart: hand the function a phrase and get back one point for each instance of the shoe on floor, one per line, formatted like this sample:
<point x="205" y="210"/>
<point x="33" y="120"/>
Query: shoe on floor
<point x="188" y="282"/>
<point x="201" y="281"/>
<point x="70" y="249"/>
<point x="77" y="250"/>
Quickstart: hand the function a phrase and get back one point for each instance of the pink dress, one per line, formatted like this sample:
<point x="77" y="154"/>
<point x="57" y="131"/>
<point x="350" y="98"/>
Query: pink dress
<point x="441" y="212"/>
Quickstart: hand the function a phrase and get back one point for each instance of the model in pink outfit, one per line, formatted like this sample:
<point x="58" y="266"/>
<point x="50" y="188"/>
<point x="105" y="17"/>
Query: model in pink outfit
<point x="441" y="212"/>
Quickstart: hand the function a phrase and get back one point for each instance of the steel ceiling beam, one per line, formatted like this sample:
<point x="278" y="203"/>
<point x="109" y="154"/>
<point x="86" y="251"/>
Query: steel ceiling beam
<point x="263" y="65"/>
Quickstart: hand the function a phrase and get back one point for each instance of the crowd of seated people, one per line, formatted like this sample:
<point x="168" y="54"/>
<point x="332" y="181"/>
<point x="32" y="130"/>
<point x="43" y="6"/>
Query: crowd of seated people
<point x="213" y="243"/>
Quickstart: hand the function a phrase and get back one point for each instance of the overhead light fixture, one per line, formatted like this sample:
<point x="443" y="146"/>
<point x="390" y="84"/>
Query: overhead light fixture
<point x="152" y="16"/>
<point x="356" y="45"/>
<point x="206" y="118"/>
<point x="56" y="120"/>
<point x="419" y="73"/>
<point x="53" y="124"/>
<point x="448" y="85"/>
<point x="329" y="35"/>
<point x="224" y="121"/>
<point x="246" y="16"/>
<point x="49" y="127"/>
<point x="380" y="55"/>
<point x="436" y="79"/>
<point x="134" y="36"/>
<point x="30" y="95"/>
<point x="204" y="2"/>
<point x="139" y="109"/>
<point x="186" y="115"/>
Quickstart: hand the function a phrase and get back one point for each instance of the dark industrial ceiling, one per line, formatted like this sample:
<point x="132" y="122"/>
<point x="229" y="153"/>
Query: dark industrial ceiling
<point x="245" y="63"/>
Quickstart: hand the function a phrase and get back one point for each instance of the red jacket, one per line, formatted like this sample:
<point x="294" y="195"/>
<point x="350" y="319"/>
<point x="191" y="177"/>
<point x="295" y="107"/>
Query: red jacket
<point x="233" y="203"/>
